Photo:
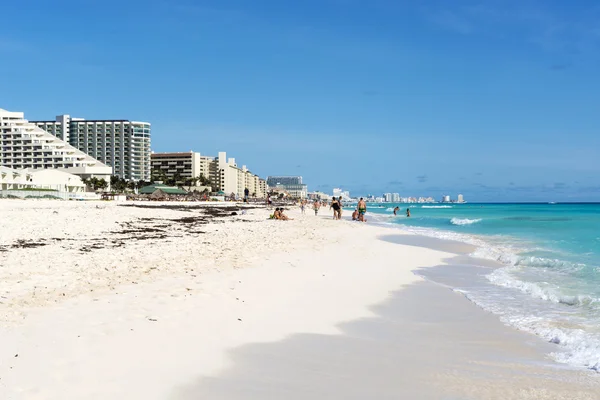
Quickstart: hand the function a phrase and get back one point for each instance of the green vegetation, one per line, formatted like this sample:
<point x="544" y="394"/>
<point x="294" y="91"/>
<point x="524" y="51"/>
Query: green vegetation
<point x="177" y="180"/>
<point x="120" y="185"/>
<point x="95" y="183"/>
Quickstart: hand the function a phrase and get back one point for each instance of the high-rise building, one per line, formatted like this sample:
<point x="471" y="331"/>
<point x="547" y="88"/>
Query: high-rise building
<point x="460" y="199"/>
<point x="395" y="197"/>
<point x="122" y="144"/>
<point x="337" y="192"/>
<point x="284" y="180"/>
<point x="23" y="145"/>
<point x="387" y="197"/>
<point x="179" y="165"/>
<point x="229" y="178"/>
<point x="446" y="199"/>
<point x="223" y="173"/>
<point x="291" y="184"/>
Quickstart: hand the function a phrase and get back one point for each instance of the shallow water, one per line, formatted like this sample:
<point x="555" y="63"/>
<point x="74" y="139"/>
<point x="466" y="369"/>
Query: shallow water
<point x="550" y="282"/>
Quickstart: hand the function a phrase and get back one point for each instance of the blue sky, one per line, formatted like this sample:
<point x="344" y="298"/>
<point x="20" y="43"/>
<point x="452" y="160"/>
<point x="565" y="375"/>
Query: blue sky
<point x="497" y="100"/>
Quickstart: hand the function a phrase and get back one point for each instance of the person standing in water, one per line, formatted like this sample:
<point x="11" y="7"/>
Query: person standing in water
<point x="362" y="209"/>
<point x="396" y="210"/>
<point x="408" y="212"/>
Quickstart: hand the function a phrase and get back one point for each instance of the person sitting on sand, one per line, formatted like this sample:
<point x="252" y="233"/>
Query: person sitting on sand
<point x="276" y="214"/>
<point x="355" y="215"/>
<point x="284" y="217"/>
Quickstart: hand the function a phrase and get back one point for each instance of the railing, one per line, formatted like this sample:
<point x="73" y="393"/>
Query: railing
<point x="47" y="194"/>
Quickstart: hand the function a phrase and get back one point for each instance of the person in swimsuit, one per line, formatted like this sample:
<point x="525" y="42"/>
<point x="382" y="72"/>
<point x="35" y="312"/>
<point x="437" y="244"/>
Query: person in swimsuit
<point x="396" y="210"/>
<point x="316" y="206"/>
<point x="408" y="212"/>
<point x="336" y="208"/>
<point x="362" y="209"/>
<point x="341" y="207"/>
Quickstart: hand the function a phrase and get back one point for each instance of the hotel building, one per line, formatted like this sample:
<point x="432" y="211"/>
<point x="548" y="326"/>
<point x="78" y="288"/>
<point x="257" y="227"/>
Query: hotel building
<point x="223" y="173"/>
<point x="23" y="145"/>
<point x="122" y="144"/>
<point x="183" y="165"/>
<point x="229" y="178"/>
<point x="291" y="184"/>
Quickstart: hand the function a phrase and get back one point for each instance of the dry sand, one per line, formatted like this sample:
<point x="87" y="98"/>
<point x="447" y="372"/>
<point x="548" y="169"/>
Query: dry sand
<point x="102" y="301"/>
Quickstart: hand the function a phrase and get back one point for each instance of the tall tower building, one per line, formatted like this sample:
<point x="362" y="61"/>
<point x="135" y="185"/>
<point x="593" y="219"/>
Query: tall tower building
<point x="25" y="146"/>
<point x="122" y="144"/>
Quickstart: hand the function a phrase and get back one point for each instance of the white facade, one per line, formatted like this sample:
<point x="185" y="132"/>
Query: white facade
<point x="387" y="197"/>
<point x="460" y="199"/>
<point x="337" y="192"/>
<point x="229" y="178"/>
<point x="396" y="198"/>
<point x="223" y="173"/>
<point x="208" y="167"/>
<point x="12" y="179"/>
<point x="446" y="199"/>
<point x="25" y="146"/>
<point x="122" y="144"/>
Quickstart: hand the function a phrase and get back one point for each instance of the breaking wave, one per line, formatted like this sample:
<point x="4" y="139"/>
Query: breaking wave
<point x="464" y="221"/>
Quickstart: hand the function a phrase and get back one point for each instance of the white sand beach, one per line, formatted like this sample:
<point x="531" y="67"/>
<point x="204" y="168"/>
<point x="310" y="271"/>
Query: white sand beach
<point x="169" y="301"/>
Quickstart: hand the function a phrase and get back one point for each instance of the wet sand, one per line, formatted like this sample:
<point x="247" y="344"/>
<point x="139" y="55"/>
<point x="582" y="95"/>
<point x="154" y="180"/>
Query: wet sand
<point x="425" y="342"/>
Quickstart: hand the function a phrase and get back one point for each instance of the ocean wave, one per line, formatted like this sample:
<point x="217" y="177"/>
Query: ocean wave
<point x="577" y="346"/>
<point x="568" y="327"/>
<point x="464" y="221"/>
<point x="543" y="291"/>
<point x="555" y="264"/>
<point x="437" y="207"/>
<point x="508" y="256"/>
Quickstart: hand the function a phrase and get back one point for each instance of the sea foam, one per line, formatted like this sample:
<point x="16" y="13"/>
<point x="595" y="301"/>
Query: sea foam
<point x="464" y="221"/>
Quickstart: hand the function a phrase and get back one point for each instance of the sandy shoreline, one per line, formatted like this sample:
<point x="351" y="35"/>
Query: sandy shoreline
<point x="103" y="301"/>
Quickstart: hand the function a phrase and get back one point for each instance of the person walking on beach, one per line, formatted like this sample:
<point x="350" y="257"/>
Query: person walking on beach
<point x="269" y="202"/>
<point x="341" y="207"/>
<point x="396" y="210"/>
<point x="336" y="208"/>
<point x="246" y="195"/>
<point x="303" y="206"/>
<point x="316" y="206"/>
<point x="362" y="209"/>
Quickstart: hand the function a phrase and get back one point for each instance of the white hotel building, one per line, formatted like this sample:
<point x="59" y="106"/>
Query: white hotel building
<point x="122" y="144"/>
<point x="23" y="145"/>
<point x="223" y="173"/>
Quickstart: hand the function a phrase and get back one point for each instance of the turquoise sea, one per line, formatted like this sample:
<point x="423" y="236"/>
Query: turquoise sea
<point x="550" y="282"/>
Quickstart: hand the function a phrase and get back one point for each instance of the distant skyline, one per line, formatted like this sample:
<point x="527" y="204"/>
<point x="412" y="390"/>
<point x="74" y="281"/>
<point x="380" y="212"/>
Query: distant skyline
<point x="496" y="100"/>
